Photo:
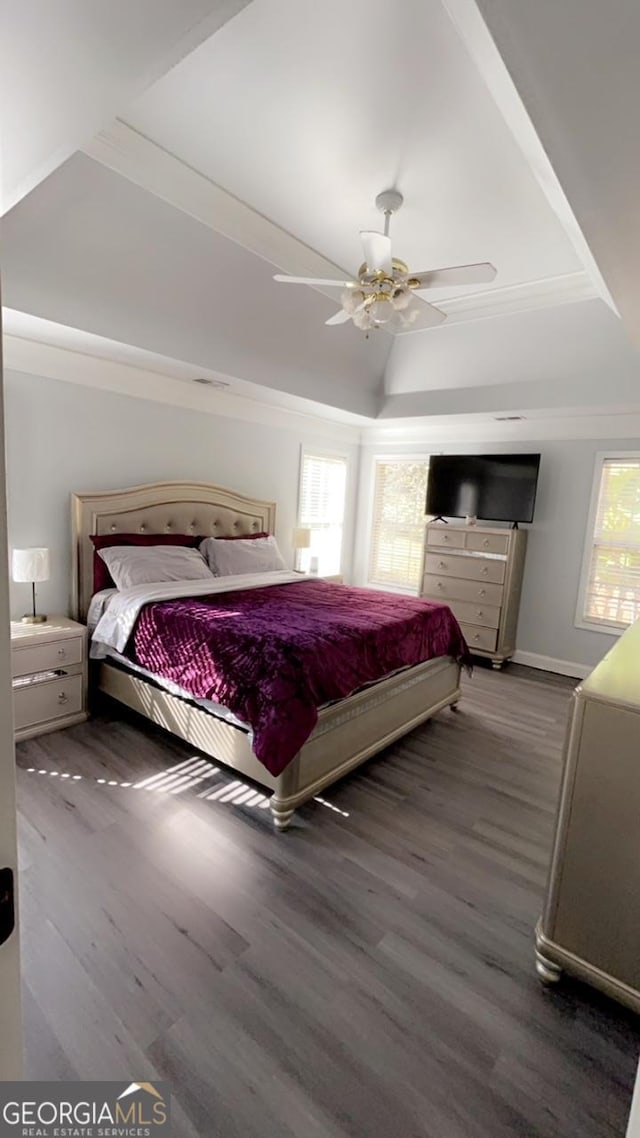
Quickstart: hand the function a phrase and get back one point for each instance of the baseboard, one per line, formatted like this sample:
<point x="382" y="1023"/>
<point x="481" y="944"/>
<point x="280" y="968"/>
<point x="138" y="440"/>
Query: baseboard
<point x="550" y="664"/>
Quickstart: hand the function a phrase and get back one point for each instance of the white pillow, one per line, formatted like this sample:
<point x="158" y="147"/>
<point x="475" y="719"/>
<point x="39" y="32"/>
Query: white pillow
<point x="131" y="565"/>
<point x="255" y="555"/>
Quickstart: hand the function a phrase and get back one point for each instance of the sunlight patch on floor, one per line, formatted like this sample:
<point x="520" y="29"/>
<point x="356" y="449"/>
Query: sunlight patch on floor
<point x="185" y="776"/>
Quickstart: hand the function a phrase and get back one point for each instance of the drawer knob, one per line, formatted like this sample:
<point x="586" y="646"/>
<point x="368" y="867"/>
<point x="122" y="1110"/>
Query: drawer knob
<point x="439" y="585"/>
<point x="445" y="537"/>
<point x="442" y="565"/>
<point x="63" y="697"/>
<point x="62" y="652"/>
<point x="476" y="636"/>
<point x="482" y="592"/>
<point x="486" y="569"/>
<point x="486" y="541"/>
<point x="479" y="612"/>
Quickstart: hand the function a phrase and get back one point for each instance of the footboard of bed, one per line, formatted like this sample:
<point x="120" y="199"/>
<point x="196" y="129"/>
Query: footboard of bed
<point x="347" y="733"/>
<point x="350" y="732"/>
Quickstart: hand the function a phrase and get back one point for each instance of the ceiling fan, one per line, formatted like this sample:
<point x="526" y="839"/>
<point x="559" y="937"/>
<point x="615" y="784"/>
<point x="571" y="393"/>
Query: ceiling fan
<point x="385" y="293"/>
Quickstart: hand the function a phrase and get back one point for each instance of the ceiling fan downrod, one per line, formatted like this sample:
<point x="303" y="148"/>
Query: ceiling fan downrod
<point x="389" y="202"/>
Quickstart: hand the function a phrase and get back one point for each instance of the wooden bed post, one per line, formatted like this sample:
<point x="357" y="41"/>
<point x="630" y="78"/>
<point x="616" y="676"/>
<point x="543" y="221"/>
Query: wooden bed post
<point x="280" y="804"/>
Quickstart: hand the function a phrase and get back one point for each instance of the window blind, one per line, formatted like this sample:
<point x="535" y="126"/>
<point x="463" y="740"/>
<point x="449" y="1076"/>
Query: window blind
<point x="398" y="522"/>
<point x="612" y="594"/>
<point x="323" y="482"/>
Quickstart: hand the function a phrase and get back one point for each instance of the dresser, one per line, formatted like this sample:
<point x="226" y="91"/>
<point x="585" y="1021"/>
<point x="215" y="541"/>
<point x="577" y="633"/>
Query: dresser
<point x="49" y="675"/>
<point x="477" y="571"/>
<point x="590" y="926"/>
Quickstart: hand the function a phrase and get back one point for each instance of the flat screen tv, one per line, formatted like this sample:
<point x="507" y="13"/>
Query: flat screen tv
<point x="494" y="487"/>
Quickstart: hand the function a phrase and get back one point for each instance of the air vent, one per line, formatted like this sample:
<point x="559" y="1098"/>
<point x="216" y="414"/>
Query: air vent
<point x="218" y="384"/>
<point x="508" y="418"/>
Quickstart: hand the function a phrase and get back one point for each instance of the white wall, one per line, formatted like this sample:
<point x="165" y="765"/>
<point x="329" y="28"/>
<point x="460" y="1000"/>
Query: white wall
<point x="555" y="543"/>
<point x="62" y="437"/>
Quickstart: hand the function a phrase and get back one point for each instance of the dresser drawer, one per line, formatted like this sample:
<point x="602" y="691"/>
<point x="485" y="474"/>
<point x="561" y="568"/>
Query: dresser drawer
<point x="40" y="703"/>
<point x="41" y="657"/>
<point x="448" y="539"/>
<point x="472" y="568"/>
<point x="477" y="637"/>
<point x="487" y="542"/>
<point x="459" y="589"/>
<point x="486" y="615"/>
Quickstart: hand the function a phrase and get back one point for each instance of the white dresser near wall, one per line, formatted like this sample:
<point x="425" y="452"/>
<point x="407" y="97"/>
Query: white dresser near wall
<point x="477" y="571"/>
<point x="590" y="926"/>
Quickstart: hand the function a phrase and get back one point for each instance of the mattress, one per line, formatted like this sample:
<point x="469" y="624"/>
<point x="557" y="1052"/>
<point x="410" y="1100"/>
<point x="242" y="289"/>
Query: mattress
<point x="209" y="705"/>
<point x="97" y="608"/>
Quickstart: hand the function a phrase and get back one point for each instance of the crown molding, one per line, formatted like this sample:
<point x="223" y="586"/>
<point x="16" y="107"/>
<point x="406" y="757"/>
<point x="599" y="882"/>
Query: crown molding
<point x="472" y="28"/>
<point x="127" y="152"/>
<point x="52" y="362"/>
<point x="563" y="425"/>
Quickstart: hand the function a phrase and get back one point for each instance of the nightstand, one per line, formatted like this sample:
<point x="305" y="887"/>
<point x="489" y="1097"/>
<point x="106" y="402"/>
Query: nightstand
<point x="49" y="669"/>
<point x="336" y="579"/>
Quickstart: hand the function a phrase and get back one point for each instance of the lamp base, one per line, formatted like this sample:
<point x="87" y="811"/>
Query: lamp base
<point x="29" y="618"/>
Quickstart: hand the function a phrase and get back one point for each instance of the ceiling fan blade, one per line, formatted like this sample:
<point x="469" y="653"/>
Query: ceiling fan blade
<point x="456" y="275"/>
<point x="418" y="316"/>
<point x="315" y="281"/>
<point x="377" y="251"/>
<point x="340" y="317"/>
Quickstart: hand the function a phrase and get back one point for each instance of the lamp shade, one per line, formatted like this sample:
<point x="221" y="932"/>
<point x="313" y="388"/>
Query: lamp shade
<point x="301" y="538"/>
<point x="30" y="565"/>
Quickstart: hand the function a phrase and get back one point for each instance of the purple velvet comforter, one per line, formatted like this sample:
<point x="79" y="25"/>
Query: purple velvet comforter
<point x="274" y="655"/>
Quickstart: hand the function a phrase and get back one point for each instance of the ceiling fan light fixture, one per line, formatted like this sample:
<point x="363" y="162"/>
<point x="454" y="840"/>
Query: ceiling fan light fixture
<point x="352" y="299"/>
<point x="362" y="319"/>
<point x="380" y="309"/>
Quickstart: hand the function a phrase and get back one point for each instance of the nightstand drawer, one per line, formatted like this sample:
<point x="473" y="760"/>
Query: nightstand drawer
<point x="473" y="568"/>
<point x="486" y="615"/>
<point x="485" y="638"/>
<point x="41" y="703"/>
<point x="42" y="657"/>
<point x="457" y="589"/>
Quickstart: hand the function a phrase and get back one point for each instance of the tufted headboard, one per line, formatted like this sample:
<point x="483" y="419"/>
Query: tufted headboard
<point x="158" y="507"/>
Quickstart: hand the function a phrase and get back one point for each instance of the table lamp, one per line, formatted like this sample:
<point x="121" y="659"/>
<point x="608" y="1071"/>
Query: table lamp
<point x="31" y="565"/>
<point x="301" y="539"/>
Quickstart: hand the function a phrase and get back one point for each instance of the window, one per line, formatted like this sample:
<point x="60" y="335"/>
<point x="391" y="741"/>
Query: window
<point x="610" y="587"/>
<point x="323" y="482"/>
<point x="397" y="536"/>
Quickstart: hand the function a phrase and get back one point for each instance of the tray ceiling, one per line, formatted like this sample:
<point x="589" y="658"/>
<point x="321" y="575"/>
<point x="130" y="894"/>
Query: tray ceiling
<point x="305" y="111"/>
<point x="265" y="147"/>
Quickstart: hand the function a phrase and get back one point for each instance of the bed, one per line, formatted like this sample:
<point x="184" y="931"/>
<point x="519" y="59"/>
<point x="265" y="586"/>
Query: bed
<point x="347" y="732"/>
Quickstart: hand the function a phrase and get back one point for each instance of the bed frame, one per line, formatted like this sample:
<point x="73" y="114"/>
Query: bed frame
<point x="347" y="732"/>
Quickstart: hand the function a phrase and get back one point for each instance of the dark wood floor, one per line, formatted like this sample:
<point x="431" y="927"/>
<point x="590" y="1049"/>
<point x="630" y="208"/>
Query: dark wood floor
<point x="369" y="973"/>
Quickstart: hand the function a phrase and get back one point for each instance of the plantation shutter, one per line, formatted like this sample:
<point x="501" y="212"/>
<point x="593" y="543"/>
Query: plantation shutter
<point x="613" y="585"/>
<point x="398" y="523"/>
<point x="323" y="484"/>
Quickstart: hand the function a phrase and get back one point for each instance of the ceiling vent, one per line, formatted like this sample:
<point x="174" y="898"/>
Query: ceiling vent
<point x="508" y="418"/>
